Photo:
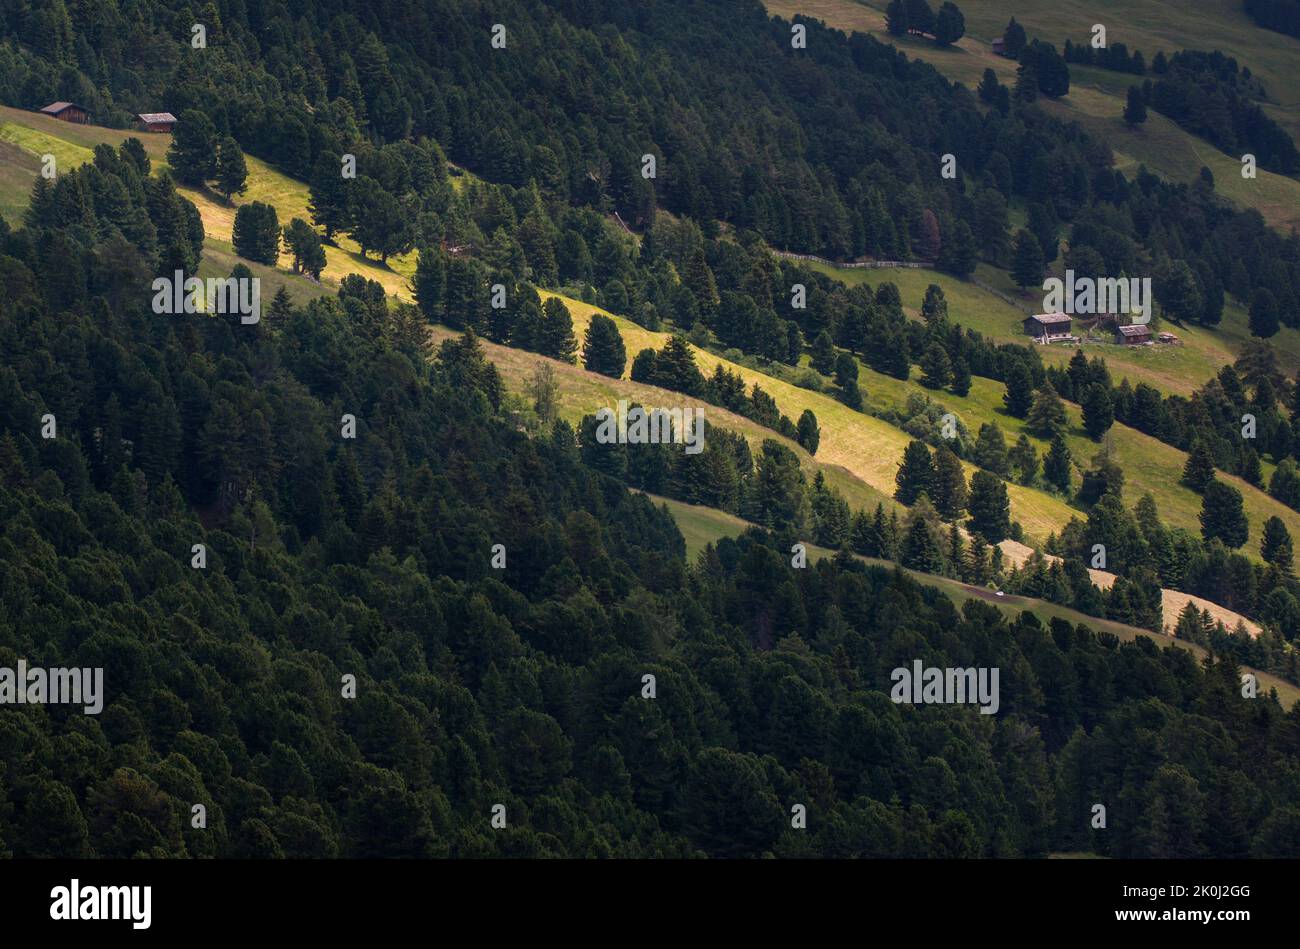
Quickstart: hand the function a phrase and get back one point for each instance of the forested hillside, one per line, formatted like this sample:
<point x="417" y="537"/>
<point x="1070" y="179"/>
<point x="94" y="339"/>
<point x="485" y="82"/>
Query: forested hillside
<point x="523" y="686"/>
<point x="351" y="605"/>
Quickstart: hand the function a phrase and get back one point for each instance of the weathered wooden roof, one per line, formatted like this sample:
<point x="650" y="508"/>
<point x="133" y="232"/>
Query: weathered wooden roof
<point x="153" y="118"/>
<point x="1047" y="318"/>
<point x="54" y="108"/>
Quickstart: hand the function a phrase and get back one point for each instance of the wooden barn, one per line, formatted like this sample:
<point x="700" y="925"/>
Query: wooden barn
<point x="67" y="112"/>
<point x="155" y="121"/>
<point x="1133" y="335"/>
<point x="1049" y="327"/>
<point x="999" y="47"/>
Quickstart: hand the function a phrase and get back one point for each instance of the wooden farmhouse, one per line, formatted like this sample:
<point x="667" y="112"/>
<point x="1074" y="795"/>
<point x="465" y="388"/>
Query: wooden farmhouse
<point x="1133" y="335"/>
<point x="1049" y="328"/>
<point x="67" y="112"/>
<point x="155" y="121"/>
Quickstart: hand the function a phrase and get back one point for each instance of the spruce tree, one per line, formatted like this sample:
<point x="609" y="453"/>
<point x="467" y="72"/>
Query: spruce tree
<point x="961" y="378"/>
<point x="809" y="435"/>
<point x="1222" y="516"/>
<point x="1047" y="414"/>
<point x="231" y="171"/>
<point x="990" y="507"/>
<point x="1057" y="465"/>
<point x="915" y="474"/>
<point x="1275" y="547"/>
<point x="950" y="491"/>
<point x="1027" y="262"/>
<point x="936" y="368"/>
<point x="1019" y="394"/>
<point x="193" y="152"/>
<point x="823" y="353"/>
<point x="1135" y="108"/>
<point x="1199" y="469"/>
<point x="1024" y="459"/>
<point x="602" y="349"/>
<point x="558" y="340"/>
<point x="1098" y="412"/>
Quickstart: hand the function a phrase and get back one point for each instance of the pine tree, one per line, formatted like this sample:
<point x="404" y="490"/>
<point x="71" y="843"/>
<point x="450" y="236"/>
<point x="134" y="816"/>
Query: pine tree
<point x="1222" y="516"/>
<point x="936" y="368"/>
<point x="949" y="24"/>
<point x="915" y="474"/>
<point x="193" y="152"/>
<point x="256" y="233"/>
<point x="961" y="377"/>
<point x="808" y="434"/>
<point x="231" y="171"/>
<point x="823" y="353"/>
<point x="950" y="491"/>
<point x="1199" y="469"/>
<point x="1027" y="264"/>
<point x="1013" y="39"/>
<point x="1047" y="414"/>
<point x="1098" y="412"/>
<point x="1024" y="459"/>
<point x="1135" y="108"/>
<point x="1264" y="320"/>
<point x="558" y="340"/>
<point x="603" y="350"/>
<point x="1251" y="472"/>
<point x="1057" y="465"/>
<point x="988" y="87"/>
<point x="990" y="507"/>
<point x="1019" y="394"/>
<point x="1275" y="547"/>
<point x="990" y="451"/>
<point x="920" y="551"/>
<point x="896" y="18"/>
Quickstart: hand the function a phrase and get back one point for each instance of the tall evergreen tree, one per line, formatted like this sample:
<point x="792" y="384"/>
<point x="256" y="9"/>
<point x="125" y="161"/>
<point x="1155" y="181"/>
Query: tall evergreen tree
<point x="990" y="507"/>
<point x="603" y="350"/>
<point x="915" y="474"/>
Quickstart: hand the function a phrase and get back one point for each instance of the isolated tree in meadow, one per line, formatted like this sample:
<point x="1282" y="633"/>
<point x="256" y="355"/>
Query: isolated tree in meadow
<point x="256" y="234"/>
<point x="1275" y="546"/>
<point x="919" y="549"/>
<point x="808" y="434"/>
<point x="1098" y="412"/>
<point x="231" y="171"/>
<point x="1222" y="516"/>
<point x="1027" y="260"/>
<point x="1047" y="414"/>
<point x="1135" y="108"/>
<point x="603" y="350"/>
<point x="915" y="474"/>
<point x="1199" y="468"/>
<point x="934" y="307"/>
<point x="990" y="507"/>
